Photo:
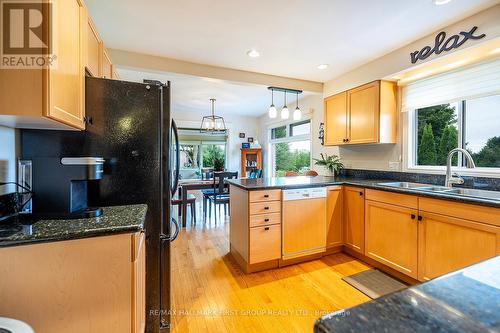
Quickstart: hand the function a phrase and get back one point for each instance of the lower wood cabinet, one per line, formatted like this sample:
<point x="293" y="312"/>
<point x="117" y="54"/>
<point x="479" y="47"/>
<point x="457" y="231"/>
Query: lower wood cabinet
<point x="354" y="218"/>
<point x="334" y="217"/>
<point x="265" y="243"/>
<point x="448" y="243"/>
<point x="85" y="285"/>
<point x="391" y="236"/>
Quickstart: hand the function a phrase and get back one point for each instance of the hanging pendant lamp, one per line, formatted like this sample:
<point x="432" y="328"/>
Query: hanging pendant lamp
<point x="297" y="113"/>
<point x="213" y="124"/>
<point x="285" y="114"/>
<point x="273" y="113"/>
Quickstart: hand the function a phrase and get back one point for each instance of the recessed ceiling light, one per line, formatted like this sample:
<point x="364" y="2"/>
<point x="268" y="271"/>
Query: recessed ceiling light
<point x="323" y="66"/>
<point x="441" y="2"/>
<point x="253" y="53"/>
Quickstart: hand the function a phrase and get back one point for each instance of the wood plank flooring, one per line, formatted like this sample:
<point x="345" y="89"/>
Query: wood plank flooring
<point x="211" y="294"/>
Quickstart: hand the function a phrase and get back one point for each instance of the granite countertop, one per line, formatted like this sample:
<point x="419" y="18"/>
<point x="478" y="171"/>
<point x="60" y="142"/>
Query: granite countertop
<point x="467" y="300"/>
<point x="304" y="181"/>
<point x="114" y="219"/>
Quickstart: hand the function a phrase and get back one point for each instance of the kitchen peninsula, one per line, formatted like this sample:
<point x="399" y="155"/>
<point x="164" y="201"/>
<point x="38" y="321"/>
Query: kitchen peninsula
<point x="393" y="225"/>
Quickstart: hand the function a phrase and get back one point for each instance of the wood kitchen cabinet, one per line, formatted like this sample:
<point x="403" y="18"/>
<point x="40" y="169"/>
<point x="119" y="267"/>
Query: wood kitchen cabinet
<point x="94" y="44"/>
<point x="354" y="218"/>
<point x="93" y="284"/>
<point x="391" y="231"/>
<point x="255" y="232"/>
<point x="107" y="65"/>
<point x="449" y="240"/>
<point x="366" y="114"/>
<point x="334" y="217"/>
<point x="52" y="97"/>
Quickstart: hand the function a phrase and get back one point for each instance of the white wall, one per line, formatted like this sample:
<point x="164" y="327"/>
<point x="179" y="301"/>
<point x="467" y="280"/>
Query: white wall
<point x="235" y="125"/>
<point x="378" y="157"/>
<point x="8" y="149"/>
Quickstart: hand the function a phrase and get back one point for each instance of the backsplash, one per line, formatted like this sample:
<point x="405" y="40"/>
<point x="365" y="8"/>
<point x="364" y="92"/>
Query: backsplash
<point x="480" y="183"/>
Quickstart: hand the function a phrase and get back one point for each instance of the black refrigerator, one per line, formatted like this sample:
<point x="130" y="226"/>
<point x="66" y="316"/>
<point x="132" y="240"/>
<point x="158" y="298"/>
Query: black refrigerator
<point x="129" y="125"/>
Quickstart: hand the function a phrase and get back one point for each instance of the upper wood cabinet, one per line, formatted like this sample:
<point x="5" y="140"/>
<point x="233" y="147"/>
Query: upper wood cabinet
<point x="94" y="45"/>
<point x="366" y="114"/>
<point x="51" y="97"/>
<point x="336" y="119"/>
<point x="107" y="65"/>
<point x="391" y="236"/>
<point x="354" y="218"/>
<point x="334" y="217"/>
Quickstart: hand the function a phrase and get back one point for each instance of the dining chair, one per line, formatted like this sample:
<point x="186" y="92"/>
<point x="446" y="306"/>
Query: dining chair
<point x="311" y="173"/>
<point x="220" y="194"/>
<point x="291" y="174"/>
<point x="191" y="201"/>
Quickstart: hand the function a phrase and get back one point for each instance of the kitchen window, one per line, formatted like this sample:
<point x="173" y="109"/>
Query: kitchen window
<point x="290" y="148"/>
<point x="456" y="109"/>
<point x="471" y="124"/>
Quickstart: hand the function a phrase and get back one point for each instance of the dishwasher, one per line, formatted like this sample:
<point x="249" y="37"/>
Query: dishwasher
<point x="304" y="222"/>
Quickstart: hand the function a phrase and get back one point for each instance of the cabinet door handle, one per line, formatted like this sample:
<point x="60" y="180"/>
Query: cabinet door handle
<point x="266" y="195"/>
<point x="266" y="228"/>
<point x="266" y="208"/>
<point x="266" y="220"/>
<point x="413" y="216"/>
<point x="361" y="193"/>
<point x="420" y="218"/>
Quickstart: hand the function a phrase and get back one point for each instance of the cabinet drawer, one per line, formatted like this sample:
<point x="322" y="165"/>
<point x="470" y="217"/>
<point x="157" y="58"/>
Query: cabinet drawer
<point x="268" y="195"/>
<point x="404" y="200"/>
<point x="265" y="243"/>
<point x="265" y="219"/>
<point x="265" y="207"/>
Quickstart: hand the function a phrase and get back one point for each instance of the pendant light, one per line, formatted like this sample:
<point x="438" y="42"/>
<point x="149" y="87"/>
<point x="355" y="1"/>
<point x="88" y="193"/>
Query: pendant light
<point x="213" y="124"/>
<point x="285" y="114"/>
<point x="273" y="113"/>
<point x="297" y="114"/>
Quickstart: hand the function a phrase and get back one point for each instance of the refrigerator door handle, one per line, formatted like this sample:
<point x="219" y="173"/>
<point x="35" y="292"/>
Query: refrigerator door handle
<point x="177" y="158"/>
<point x="173" y="236"/>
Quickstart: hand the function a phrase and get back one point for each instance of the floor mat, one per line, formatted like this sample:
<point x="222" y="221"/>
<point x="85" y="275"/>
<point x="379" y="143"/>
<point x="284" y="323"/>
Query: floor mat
<point x="374" y="283"/>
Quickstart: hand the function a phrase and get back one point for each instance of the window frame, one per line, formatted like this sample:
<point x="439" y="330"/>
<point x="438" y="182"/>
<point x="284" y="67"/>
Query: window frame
<point x="287" y="139"/>
<point x="410" y="148"/>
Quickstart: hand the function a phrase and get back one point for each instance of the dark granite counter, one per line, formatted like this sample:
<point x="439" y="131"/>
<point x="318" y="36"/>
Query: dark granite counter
<point x="115" y="219"/>
<point x="303" y="181"/>
<point x="464" y="301"/>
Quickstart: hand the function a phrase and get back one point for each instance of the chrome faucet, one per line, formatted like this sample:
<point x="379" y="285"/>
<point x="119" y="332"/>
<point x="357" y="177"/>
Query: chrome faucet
<point x="455" y="178"/>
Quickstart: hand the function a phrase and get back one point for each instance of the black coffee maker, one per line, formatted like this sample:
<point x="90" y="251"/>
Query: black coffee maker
<point x="61" y="186"/>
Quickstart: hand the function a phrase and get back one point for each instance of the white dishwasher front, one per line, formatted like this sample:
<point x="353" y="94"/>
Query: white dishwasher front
<point x="304" y="222"/>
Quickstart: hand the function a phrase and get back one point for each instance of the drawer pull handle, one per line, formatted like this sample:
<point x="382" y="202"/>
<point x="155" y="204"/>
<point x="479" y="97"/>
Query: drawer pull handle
<point x="412" y="216"/>
<point x="266" y="195"/>
<point x="266" y="220"/>
<point x="420" y="218"/>
<point x="266" y="228"/>
<point x="266" y="208"/>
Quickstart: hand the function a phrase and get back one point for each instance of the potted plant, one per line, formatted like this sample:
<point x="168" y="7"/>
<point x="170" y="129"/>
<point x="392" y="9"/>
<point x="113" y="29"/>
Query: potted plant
<point x="218" y="164"/>
<point x="331" y="162"/>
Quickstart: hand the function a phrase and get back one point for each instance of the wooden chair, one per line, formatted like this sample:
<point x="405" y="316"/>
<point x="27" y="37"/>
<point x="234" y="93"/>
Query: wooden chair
<point x="220" y="194"/>
<point x="311" y="173"/>
<point x="291" y="174"/>
<point x="191" y="201"/>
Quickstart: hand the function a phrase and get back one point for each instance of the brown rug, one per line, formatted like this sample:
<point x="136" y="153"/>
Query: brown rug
<point x="373" y="283"/>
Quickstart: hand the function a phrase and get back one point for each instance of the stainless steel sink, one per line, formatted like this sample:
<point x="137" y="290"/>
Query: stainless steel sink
<point x="405" y="185"/>
<point x="465" y="192"/>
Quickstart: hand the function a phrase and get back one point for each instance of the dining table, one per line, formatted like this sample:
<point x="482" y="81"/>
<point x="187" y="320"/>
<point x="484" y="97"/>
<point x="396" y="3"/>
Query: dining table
<point x="186" y="185"/>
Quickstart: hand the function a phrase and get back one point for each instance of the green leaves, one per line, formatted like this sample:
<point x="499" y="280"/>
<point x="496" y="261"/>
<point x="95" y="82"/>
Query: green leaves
<point x="331" y="162"/>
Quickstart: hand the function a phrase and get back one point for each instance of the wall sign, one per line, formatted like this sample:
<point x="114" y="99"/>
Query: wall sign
<point x="440" y="45"/>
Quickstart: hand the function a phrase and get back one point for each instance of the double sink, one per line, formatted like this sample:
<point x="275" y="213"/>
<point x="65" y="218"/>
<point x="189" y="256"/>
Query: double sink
<point x="464" y="192"/>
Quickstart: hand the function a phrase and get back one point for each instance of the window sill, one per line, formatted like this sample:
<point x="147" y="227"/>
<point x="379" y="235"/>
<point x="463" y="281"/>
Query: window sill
<point x="476" y="172"/>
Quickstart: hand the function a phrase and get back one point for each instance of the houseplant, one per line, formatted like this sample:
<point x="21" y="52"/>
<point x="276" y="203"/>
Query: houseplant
<point x="331" y="162"/>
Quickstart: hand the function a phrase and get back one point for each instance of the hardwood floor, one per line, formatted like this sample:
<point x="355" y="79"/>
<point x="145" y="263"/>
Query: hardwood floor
<point x="211" y="294"/>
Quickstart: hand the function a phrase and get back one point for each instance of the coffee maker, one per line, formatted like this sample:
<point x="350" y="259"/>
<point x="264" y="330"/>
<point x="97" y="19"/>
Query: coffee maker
<point x="61" y="186"/>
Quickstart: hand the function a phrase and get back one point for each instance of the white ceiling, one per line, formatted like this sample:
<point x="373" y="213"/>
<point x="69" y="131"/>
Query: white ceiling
<point x="192" y="94"/>
<point x="293" y="36"/>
